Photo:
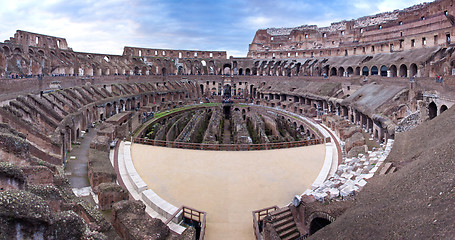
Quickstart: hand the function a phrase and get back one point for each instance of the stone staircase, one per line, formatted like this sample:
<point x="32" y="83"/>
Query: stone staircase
<point x="284" y="224"/>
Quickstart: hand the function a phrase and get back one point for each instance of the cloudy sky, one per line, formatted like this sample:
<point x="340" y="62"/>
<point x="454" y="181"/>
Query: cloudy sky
<point x="106" y="26"/>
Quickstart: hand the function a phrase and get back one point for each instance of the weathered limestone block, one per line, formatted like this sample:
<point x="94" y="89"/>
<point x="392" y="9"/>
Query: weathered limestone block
<point x="132" y="223"/>
<point x="241" y="135"/>
<point x="357" y="150"/>
<point x="68" y="225"/>
<point x="213" y="132"/>
<point x="11" y="177"/>
<point x="99" y="168"/>
<point x="100" y="143"/>
<point x="110" y="193"/>
<point x="357" y="139"/>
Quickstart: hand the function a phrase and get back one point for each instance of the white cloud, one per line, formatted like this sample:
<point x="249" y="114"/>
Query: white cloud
<point x="390" y="5"/>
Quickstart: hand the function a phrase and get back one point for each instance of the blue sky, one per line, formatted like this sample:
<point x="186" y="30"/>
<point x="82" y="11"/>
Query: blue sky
<point x="107" y="26"/>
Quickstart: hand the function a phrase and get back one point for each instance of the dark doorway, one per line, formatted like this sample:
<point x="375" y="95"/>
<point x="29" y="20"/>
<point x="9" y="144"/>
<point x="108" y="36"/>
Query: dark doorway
<point x="432" y="110"/>
<point x="227" y="112"/>
<point x="317" y="224"/>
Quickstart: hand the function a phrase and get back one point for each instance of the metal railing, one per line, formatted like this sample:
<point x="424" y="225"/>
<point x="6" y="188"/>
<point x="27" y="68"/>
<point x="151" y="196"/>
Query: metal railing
<point x="258" y="216"/>
<point x="230" y="147"/>
<point x="193" y="215"/>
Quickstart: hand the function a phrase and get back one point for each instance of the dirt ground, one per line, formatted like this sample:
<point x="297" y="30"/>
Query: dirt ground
<point x="228" y="185"/>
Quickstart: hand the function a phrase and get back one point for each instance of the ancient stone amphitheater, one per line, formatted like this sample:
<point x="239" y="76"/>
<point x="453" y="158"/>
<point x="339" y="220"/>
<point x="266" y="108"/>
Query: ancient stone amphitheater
<point x="374" y="93"/>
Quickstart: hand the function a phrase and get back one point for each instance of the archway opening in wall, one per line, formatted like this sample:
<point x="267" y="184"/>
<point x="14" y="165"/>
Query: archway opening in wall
<point x="365" y="71"/>
<point x="383" y="71"/>
<point x="227" y="91"/>
<point x="393" y="71"/>
<point x="341" y="71"/>
<point x="317" y="224"/>
<point x="350" y="71"/>
<point x="164" y="72"/>
<point x="247" y="72"/>
<point x="374" y="71"/>
<point x="357" y="71"/>
<point x="443" y="109"/>
<point x="227" y="69"/>
<point x="333" y="71"/>
<point x="413" y="70"/>
<point x="432" y="110"/>
<point x="136" y="71"/>
<point x="7" y="51"/>
<point x="180" y="70"/>
<point x="403" y="71"/>
<point x="240" y="71"/>
<point x="227" y="111"/>
<point x="202" y="89"/>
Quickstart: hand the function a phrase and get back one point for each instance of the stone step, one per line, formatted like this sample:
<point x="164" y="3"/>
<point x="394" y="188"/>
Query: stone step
<point x="386" y="168"/>
<point x="282" y="216"/>
<point x="288" y="233"/>
<point x="293" y="236"/>
<point x="286" y="226"/>
<point x="283" y="221"/>
<point x="280" y="211"/>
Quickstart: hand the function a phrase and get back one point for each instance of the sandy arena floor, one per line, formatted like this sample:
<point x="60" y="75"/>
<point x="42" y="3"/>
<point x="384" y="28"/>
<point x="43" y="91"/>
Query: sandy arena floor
<point x="228" y="185"/>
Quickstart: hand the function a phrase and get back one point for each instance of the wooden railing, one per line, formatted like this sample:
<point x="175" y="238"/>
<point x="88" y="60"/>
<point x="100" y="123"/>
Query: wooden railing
<point x="230" y="147"/>
<point x="193" y="215"/>
<point x="258" y="216"/>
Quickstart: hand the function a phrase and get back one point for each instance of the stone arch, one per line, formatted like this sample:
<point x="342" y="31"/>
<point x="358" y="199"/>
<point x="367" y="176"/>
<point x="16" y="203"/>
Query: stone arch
<point x="413" y="70"/>
<point x="341" y="71"/>
<point x="365" y="71"/>
<point x="374" y="70"/>
<point x="318" y="220"/>
<point x="240" y="71"/>
<point x="393" y="71"/>
<point x="403" y="70"/>
<point x="432" y="110"/>
<point x="383" y="71"/>
<point x="136" y="70"/>
<point x="350" y="71"/>
<point x="6" y="50"/>
<point x="442" y="109"/>
<point x="357" y="71"/>
<point x="164" y="71"/>
<point x="247" y="72"/>
<point x="17" y="51"/>
<point x="333" y="71"/>
<point x="227" y="69"/>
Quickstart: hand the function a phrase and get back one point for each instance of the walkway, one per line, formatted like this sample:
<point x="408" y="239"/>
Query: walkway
<point x="76" y="169"/>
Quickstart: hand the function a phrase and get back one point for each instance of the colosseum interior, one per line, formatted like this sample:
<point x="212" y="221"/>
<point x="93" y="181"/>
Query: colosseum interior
<point x="338" y="132"/>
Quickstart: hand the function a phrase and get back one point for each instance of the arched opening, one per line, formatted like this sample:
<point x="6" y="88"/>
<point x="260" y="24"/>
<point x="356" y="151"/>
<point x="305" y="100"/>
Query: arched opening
<point x="357" y="71"/>
<point x="136" y="71"/>
<point x="350" y="71"/>
<point x="240" y="71"/>
<point x="403" y="71"/>
<point x="383" y="71"/>
<point x="227" y="91"/>
<point x="163" y="71"/>
<point x="413" y="70"/>
<point x="227" y="69"/>
<point x="333" y="71"/>
<point x="393" y="71"/>
<point x="365" y="71"/>
<point x="247" y="72"/>
<point x="341" y="72"/>
<point x="317" y="224"/>
<point x="443" y="109"/>
<point x="374" y="71"/>
<point x="432" y="110"/>
<point x="6" y="50"/>
<point x="180" y="70"/>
